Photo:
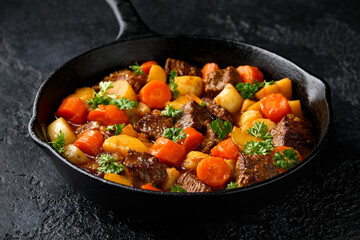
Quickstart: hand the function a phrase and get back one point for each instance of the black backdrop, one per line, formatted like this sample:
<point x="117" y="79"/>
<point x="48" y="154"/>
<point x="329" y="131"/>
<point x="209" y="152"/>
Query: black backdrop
<point x="37" y="36"/>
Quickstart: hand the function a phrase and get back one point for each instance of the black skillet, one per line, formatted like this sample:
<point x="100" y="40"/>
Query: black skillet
<point x="137" y="43"/>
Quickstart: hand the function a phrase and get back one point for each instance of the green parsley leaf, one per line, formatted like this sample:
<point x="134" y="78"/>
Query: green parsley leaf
<point x="286" y="159"/>
<point x="117" y="128"/>
<point x="221" y="129"/>
<point x="101" y="97"/>
<point x="170" y="111"/>
<point x="124" y="103"/>
<point x="258" y="148"/>
<point x="137" y="69"/>
<point x="177" y="188"/>
<point x="107" y="164"/>
<point x="173" y="86"/>
<point x="174" y="134"/>
<point x="59" y="143"/>
<point x="203" y="104"/>
<point x="260" y="130"/>
<point x="232" y="185"/>
<point x="247" y="90"/>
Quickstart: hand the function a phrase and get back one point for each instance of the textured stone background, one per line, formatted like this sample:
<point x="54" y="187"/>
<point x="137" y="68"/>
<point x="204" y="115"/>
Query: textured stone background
<point x="37" y="36"/>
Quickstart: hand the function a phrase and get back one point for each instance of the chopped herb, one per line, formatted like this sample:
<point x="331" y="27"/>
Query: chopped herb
<point x="123" y="103"/>
<point x="203" y="104"/>
<point x="107" y="164"/>
<point x="247" y="90"/>
<point x="170" y="111"/>
<point x="221" y="129"/>
<point x="174" y="134"/>
<point x="101" y="97"/>
<point x="137" y="69"/>
<point x="286" y="159"/>
<point x="59" y="143"/>
<point x="173" y="86"/>
<point x="260" y="129"/>
<point x="258" y="148"/>
<point x="117" y="128"/>
<point x="177" y="188"/>
<point x="232" y="185"/>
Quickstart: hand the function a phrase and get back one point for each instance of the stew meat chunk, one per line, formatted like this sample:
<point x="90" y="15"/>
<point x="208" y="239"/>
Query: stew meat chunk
<point x="135" y="81"/>
<point x="215" y="81"/>
<point x="191" y="183"/>
<point x="182" y="68"/>
<point x="153" y="124"/>
<point x="218" y="111"/>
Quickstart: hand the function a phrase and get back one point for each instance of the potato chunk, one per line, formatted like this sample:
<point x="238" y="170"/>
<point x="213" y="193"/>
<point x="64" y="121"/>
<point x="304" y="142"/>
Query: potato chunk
<point x="157" y="73"/>
<point x="229" y="98"/>
<point x="248" y="116"/>
<point x="62" y="125"/>
<point x="117" y="178"/>
<point x="84" y="93"/>
<point x="247" y="103"/>
<point x="122" y="143"/>
<point x="266" y="91"/>
<point x="122" y="89"/>
<point x="142" y="109"/>
<point x="240" y="137"/>
<point x="192" y="159"/>
<point x="270" y="124"/>
<point x="284" y="86"/>
<point x="182" y="100"/>
<point x="189" y="84"/>
<point x="296" y="108"/>
<point x="75" y="155"/>
<point x="172" y="176"/>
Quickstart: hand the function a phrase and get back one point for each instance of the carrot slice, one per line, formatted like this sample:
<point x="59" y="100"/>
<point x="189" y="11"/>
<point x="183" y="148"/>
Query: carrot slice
<point x="155" y="94"/>
<point x="282" y="148"/>
<point x="90" y="142"/>
<point x="149" y="186"/>
<point x="226" y="149"/>
<point x="147" y="65"/>
<point x="209" y="67"/>
<point x="213" y="171"/>
<point x="193" y="139"/>
<point x="168" y="152"/>
<point x="275" y="106"/>
<point x="73" y="109"/>
<point x="249" y="73"/>
<point x="108" y="115"/>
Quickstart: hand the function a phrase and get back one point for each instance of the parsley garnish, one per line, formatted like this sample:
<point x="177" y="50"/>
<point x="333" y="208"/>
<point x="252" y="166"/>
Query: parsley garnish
<point x="174" y="134"/>
<point x="101" y="97"/>
<point x="286" y="159"/>
<point x="107" y="164"/>
<point x="137" y="69"/>
<point x="173" y="86"/>
<point x="232" y="185"/>
<point x="221" y="128"/>
<point x="117" y="128"/>
<point x="170" y="111"/>
<point x="258" y="148"/>
<point x="247" y="90"/>
<point x="260" y="129"/>
<point x="124" y="103"/>
<point x="177" y="188"/>
<point x="203" y="104"/>
<point x="59" y="143"/>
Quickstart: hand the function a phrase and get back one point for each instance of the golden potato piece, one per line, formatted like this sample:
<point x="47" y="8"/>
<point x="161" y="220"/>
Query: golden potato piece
<point x="240" y="137"/>
<point x="248" y="116"/>
<point x="189" y="84"/>
<point x="122" y="143"/>
<point x="157" y="73"/>
<point x="62" y="125"/>
<point x="229" y="98"/>
<point x="122" y="89"/>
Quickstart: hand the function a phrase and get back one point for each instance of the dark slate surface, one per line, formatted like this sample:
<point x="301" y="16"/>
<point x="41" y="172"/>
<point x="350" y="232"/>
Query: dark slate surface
<point x="37" y="36"/>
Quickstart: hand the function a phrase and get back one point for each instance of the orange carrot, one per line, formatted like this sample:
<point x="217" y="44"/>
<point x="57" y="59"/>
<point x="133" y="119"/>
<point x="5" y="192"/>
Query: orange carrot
<point x="225" y="149"/>
<point x="149" y="186"/>
<point x="147" y="65"/>
<point x="275" y="106"/>
<point x="209" y="67"/>
<point x="249" y="73"/>
<point x="213" y="171"/>
<point x="90" y="142"/>
<point x="73" y="109"/>
<point x="282" y="148"/>
<point x="108" y="115"/>
<point x="168" y="152"/>
<point x="193" y="139"/>
<point x="155" y="94"/>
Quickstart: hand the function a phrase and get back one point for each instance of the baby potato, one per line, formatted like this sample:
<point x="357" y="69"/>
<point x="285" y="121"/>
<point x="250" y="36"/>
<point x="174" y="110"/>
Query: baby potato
<point x="189" y="84"/>
<point x="62" y="125"/>
<point x="229" y="98"/>
<point x="248" y="116"/>
<point x="122" y="89"/>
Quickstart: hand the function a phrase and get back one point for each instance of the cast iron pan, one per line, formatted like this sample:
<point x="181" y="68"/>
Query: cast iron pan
<point x="137" y="43"/>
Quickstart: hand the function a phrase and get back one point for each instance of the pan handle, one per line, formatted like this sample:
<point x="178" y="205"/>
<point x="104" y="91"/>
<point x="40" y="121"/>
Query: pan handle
<point x="128" y="19"/>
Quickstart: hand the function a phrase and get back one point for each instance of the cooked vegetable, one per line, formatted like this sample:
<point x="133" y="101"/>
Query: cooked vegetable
<point x="256" y="106"/>
<point x="61" y="125"/>
<point x="260" y="130"/>
<point x="124" y="104"/>
<point x="108" y="115"/>
<point x="240" y="137"/>
<point x="192" y="159"/>
<point x="229" y="98"/>
<point x="232" y="185"/>
<point x="150" y="187"/>
<point x="90" y="142"/>
<point x="275" y="106"/>
<point x="182" y="100"/>
<point x="284" y="87"/>
<point x="258" y="148"/>
<point x="129" y="130"/>
<point x="247" y="103"/>
<point x="267" y="90"/>
<point x="116" y="128"/>
<point x="170" y="111"/>
<point x="117" y="178"/>
<point x="295" y="106"/>
<point x="146" y="67"/>
<point x="248" y="90"/>
<point x="177" y="188"/>
<point x="209" y="67"/>
<point x="84" y="93"/>
<point x="122" y="143"/>
<point x="225" y="149"/>
<point x="249" y="73"/>
<point x="168" y="152"/>
<point x="107" y="164"/>
<point x="142" y="109"/>
<point x="192" y="140"/>
<point x="285" y="158"/>
<point x="249" y="116"/>
<point x="157" y="73"/>
<point x="73" y="109"/>
<point x="59" y="143"/>
<point x="75" y="155"/>
<point x="173" y="86"/>
<point x="137" y="69"/>
<point x="155" y="94"/>
<point x="231" y="164"/>
<point x="270" y="124"/>
<point x="189" y="84"/>
<point x="172" y="175"/>
<point x="213" y="171"/>
<point x="120" y="89"/>
<point x="221" y="129"/>
<point x="102" y="97"/>
<point x="174" y="134"/>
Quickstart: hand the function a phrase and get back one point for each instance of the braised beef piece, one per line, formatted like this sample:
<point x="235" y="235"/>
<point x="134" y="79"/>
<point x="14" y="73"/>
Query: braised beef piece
<point x="93" y="125"/>
<point x="135" y="81"/>
<point x="293" y="133"/>
<point x="250" y="169"/>
<point x="143" y="168"/>
<point x="194" y="116"/>
<point x="191" y="183"/>
<point x="153" y="124"/>
<point x="210" y="139"/>
<point x="181" y="68"/>
<point x="217" y="111"/>
<point x="215" y="81"/>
